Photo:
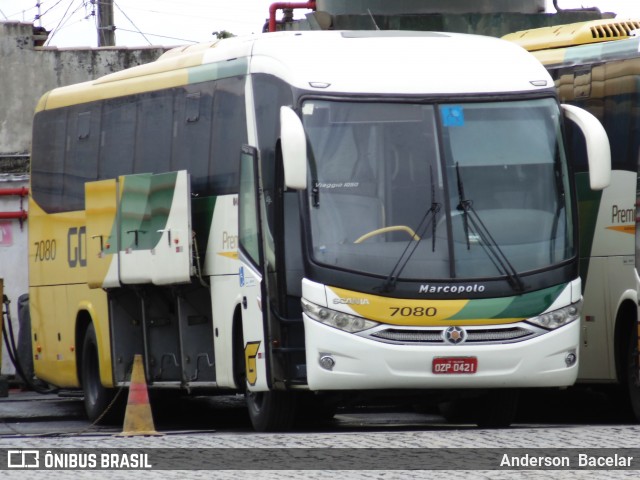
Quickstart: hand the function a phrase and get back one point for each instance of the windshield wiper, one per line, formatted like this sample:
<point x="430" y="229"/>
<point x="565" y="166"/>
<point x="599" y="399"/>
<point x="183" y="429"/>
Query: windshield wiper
<point x="473" y="224"/>
<point x="429" y="217"/>
<point x="313" y="170"/>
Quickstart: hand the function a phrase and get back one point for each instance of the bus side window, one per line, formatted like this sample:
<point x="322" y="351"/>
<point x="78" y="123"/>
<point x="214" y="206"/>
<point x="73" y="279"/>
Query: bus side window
<point x="83" y="137"/>
<point x="228" y="135"/>
<point x="193" y="122"/>
<point x="48" y="159"/>
<point x="117" y="140"/>
<point x="153" y="132"/>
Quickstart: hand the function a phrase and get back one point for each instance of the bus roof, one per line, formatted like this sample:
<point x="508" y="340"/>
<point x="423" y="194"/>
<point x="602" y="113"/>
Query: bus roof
<point x="359" y="62"/>
<point x="576" y="44"/>
<point x="581" y="33"/>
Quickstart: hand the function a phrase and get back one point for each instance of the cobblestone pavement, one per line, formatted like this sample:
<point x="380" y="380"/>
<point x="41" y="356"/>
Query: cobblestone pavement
<point x="362" y="438"/>
<point x="580" y="437"/>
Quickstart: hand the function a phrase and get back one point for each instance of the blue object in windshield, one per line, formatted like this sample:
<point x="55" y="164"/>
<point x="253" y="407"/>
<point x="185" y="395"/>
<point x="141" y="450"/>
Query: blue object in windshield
<point x="452" y="116"/>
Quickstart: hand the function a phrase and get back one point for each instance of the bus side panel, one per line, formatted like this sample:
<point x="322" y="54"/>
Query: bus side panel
<point x="170" y="202"/>
<point x="135" y="238"/>
<point x="225" y="297"/>
<point x="57" y="257"/>
<point x="595" y="355"/>
<point x="54" y="357"/>
<point x="608" y="268"/>
<point x="221" y="262"/>
<point x="57" y="247"/>
<point x="80" y="298"/>
<point x="54" y="313"/>
<point x="615" y="227"/>
<point x="102" y="241"/>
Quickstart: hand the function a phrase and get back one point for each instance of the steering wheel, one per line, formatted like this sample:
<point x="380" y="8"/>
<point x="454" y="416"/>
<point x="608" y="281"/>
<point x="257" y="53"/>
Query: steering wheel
<point x="392" y="228"/>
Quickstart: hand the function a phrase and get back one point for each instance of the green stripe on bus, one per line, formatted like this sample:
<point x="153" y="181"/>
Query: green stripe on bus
<point x="144" y="209"/>
<point x="214" y="71"/>
<point x="588" y="207"/>
<point x="520" y="306"/>
<point x="133" y="209"/>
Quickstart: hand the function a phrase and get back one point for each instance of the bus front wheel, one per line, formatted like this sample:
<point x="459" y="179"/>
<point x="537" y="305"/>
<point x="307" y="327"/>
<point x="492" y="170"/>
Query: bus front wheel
<point x="96" y="397"/>
<point x="498" y="408"/>
<point x="271" y="411"/>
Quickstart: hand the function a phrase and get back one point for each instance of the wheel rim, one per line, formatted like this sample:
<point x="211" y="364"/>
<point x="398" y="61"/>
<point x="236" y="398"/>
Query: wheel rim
<point x="256" y="399"/>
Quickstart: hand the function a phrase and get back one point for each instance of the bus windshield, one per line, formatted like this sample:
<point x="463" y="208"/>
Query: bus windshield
<point x="438" y="191"/>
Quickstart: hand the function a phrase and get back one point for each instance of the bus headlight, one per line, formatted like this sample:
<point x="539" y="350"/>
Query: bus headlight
<point x="558" y="318"/>
<point x="339" y="320"/>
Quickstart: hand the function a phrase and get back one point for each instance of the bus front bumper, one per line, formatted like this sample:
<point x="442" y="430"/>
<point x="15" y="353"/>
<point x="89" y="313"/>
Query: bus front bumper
<point x="337" y="360"/>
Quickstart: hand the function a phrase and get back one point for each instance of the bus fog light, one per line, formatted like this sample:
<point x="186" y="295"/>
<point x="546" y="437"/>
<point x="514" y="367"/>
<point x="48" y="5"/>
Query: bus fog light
<point x="327" y="362"/>
<point x="570" y="359"/>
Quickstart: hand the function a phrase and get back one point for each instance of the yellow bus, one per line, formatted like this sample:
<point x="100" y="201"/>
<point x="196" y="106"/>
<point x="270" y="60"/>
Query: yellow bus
<point x="311" y="218"/>
<point x="596" y="66"/>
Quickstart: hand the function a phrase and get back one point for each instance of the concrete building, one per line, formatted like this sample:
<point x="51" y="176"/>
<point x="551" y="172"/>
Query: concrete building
<point x="29" y="70"/>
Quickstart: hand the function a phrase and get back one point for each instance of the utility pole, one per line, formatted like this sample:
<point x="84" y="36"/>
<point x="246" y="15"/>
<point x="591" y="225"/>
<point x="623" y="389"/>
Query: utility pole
<point x="106" y="27"/>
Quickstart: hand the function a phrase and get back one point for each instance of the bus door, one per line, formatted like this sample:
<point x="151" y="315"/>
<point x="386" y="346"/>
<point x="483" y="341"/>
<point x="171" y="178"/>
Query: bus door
<point x="252" y="273"/>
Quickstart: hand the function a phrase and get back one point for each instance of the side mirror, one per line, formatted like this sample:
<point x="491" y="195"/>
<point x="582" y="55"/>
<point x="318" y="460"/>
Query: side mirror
<point x="293" y="142"/>
<point x="598" y="150"/>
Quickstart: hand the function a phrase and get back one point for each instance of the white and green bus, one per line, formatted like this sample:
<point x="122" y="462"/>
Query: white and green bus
<point x="596" y="66"/>
<point x="311" y="219"/>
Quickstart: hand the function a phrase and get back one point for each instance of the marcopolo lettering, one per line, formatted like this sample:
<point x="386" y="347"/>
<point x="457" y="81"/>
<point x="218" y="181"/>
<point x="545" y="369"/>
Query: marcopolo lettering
<point x="475" y="288"/>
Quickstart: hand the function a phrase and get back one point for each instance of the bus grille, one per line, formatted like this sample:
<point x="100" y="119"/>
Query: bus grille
<point x="475" y="335"/>
<point x="614" y="29"/>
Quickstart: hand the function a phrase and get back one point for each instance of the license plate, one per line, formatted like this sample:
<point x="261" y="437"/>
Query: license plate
<point x="454" y="365"/>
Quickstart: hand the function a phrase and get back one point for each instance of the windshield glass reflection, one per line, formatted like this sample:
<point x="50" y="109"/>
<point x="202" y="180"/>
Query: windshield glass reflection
<point x="380" y="168"/>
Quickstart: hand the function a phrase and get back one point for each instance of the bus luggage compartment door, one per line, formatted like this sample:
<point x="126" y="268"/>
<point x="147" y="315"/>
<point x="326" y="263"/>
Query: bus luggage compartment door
<point x="155" y="229"/>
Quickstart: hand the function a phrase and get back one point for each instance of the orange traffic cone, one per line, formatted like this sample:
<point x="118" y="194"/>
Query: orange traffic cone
<point x="138" y="419"/>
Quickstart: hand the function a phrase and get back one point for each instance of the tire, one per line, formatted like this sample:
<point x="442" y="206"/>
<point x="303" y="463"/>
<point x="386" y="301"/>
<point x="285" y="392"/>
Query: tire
<point x="96" y="397"/>
<point x="272" y="411"/>
<point x="497" y="409"/>
<point x="632" y="374"/>
<point x="25" y="348"/>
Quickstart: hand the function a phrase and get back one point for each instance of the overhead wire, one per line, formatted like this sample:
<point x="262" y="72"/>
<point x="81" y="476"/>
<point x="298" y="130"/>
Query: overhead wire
<point x="64" y="19"/>
<point x="131" y="22"/>
<point x="158" y="9"/>
<point x="54" y="31"/>
<point x="48" y="9"/>
<point x="215" y="17"/>
<point x="156" y="35"/>
<point x="20" y="13"/>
